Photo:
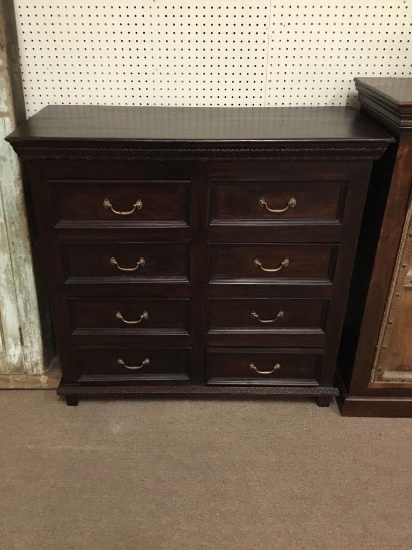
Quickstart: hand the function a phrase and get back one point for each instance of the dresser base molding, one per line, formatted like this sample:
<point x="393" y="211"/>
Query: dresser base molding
<point x="72" y="394"/>
<point x="385" y="407"/>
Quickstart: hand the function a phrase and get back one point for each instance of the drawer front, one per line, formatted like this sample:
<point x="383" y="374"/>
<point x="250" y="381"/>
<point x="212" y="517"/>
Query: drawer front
<point x="135" y="261"/>
<point x="266" y="314"/>
<point x="263" y="366"/>
<point x="123" y="202"/>
<point x="134" y="315"/>
<point x="277" y="261"/>
<point x="277" y="202"/>
<point x="130" y="364"/>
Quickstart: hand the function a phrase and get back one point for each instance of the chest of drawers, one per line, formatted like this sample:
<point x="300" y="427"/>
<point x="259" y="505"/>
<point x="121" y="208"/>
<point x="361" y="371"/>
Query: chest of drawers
<point x="198" y="251"/>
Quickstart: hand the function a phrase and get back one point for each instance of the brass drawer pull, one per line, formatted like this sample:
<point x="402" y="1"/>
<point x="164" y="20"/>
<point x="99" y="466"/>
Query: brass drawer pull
<point x="275" y="367"/>
<point x="279" y="315"/>
<point x="291" y="204"/>
<point x="141" y="261"/>
<point x="108" y="205"/>
<point x="123" y="364"/>
<point x="258" y="263"/>
<point x="143" y="317"/>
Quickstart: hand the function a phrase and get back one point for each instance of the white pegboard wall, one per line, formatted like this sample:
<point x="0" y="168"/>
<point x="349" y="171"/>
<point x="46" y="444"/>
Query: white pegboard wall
<point x="210" y="52"/>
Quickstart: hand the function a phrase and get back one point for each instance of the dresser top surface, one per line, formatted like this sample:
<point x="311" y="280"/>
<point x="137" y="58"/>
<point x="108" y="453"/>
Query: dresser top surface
<point x="396" y="90"/>
<point x="174" y="124"/>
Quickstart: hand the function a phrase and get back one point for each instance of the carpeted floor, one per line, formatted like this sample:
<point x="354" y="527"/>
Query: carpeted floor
<point x="200" y="475"/>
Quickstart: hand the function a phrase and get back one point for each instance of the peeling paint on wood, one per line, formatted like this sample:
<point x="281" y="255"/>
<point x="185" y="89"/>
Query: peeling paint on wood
<point x="18" y="301"/>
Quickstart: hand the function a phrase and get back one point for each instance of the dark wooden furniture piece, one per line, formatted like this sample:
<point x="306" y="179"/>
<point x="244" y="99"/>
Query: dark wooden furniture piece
<point x="202" y="251"/>
<point x="375" y="363"/>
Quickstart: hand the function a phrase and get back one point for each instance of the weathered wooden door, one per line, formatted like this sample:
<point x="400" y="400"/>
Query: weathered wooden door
<point x="11" y="351"/>
<point x="21" y="350"/>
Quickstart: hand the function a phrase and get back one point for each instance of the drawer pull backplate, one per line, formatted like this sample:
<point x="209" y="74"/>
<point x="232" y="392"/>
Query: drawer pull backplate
<point x="137" y="205"/>
<point x="140" y="262"/>
<point x="291" y="204"/>
<point x="123" y="364"/>
<point x="254" y="367"/>
<point x="279" y="315"/>
<point x="258" y="263"/>
<point x="142" y="317"/>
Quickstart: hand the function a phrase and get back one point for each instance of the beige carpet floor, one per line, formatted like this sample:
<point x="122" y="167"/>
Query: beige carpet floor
<point x="200" y="475"/>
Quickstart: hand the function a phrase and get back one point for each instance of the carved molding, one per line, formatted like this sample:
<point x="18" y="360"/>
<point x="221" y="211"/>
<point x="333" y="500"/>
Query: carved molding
<point x="313" y="391"/>
<point x="396" y="115"/>
<point x="384" y="113"/>
<point x="199" y="153"/>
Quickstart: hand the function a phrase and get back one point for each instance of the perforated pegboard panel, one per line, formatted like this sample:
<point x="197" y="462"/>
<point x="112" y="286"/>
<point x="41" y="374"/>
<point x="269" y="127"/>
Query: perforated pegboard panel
<point x="209" y="52"/>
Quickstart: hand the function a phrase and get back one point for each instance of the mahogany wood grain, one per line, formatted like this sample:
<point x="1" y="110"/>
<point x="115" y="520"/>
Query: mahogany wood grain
<point x="388" y="101"/>
<point x="102" y="365"/>
<point x="303" y="262"/>
<point x="261" y="366"/>
<point x="260" y="126"/>
<point x="300" y="338"/>
<point x="84" y="201"/>
<point x="246" y="321"/>
<point x="371" y="406"/>
<point x="236" y="201"/>
<point x="159" y="261"/>
<point x="266" y="314"/>
<point x="130" y="316"/>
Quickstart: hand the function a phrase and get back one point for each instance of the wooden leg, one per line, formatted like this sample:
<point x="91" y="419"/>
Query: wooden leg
<point x="72" y="400"/>
<point x="324" y="400"/>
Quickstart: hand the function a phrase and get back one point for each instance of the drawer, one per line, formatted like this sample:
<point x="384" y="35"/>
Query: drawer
<point x="122" y="364"/>
<point x="132" y="315"/>
<point x="266" y="314"/>
<point x="262" y="365"/>
<point x="122" y="202"/>
<point x="272" y="261"/>
<point x="277" y="202"/>
<point x="136" y="261"/>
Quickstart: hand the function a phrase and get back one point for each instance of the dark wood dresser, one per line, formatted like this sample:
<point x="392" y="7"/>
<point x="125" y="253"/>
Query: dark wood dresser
<point x="202" y="251"/>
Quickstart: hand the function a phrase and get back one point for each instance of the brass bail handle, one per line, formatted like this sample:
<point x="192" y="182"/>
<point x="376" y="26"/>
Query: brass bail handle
<point x="137" y="205"/>
<point x="121" y="363"/>
<point x="140" y="262"/>
<point x="258" y="263"/>
<point x="291" y="204"/>
<point x="279" y="315"/>
<point x="252" y="366"/>
<point x="142" y="317"/>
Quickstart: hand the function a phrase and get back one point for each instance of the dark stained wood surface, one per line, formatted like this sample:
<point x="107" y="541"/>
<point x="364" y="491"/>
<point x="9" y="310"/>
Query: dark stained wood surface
<point x="388" y="101"/>
<point x="130" y="316"/>
<point x="102" y="365"/>
<point x="267" y="322"/>
<point x="290" y="262"/>
<point x="77" y="156"/>
<point x="235" y="202"/>
<point x="370" y="406"/>
<point x="266" y="314"/>
<point x="397" y="90"/>
<point x="198" y="124"/>
<point x="261" y="366"/>
<point x="87" y="203"/>
<point x="134" y="261"/>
